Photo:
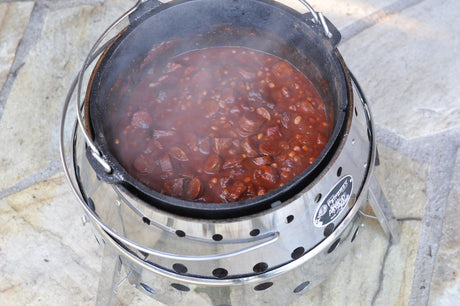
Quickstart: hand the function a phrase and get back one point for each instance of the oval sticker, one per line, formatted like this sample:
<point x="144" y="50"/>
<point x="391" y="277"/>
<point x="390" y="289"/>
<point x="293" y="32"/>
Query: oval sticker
<point x="334" y="203"/>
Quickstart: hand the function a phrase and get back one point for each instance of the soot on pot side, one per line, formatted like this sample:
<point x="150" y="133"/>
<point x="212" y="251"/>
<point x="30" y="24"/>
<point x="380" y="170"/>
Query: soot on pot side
<point x="216" y="125"/>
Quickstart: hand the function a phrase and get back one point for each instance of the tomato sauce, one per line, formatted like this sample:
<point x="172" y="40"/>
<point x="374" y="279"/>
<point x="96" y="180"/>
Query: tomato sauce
<point x="218" y="125"/>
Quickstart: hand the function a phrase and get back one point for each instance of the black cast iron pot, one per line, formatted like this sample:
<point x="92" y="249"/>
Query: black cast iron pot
<point x="262" y="25"/>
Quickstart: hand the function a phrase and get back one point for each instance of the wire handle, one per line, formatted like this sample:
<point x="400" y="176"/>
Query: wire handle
<point x="95" y="51"/>
<point x="318" y="18"/>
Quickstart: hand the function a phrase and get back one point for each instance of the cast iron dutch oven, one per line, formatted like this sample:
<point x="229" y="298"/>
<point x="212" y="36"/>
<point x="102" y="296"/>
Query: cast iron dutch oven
<point x="262" y="25"/>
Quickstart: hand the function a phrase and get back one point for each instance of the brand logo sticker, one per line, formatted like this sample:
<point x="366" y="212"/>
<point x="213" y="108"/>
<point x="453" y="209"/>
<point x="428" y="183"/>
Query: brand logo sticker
<point x="334" y="203"/>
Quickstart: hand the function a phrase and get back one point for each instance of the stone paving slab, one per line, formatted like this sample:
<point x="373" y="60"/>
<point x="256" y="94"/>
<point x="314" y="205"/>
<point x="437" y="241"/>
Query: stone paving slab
<point x="401" y="52"/>
<point x="14" y="18"/>
<point x="407" y="68"/>
<point x="40" y="261"/>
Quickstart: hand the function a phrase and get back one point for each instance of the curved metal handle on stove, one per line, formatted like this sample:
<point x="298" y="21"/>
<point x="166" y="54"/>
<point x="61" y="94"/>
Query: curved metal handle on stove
<point x="99" y="48"/>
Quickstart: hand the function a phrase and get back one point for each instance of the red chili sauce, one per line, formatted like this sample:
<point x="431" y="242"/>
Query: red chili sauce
<point x="219" y="125"/>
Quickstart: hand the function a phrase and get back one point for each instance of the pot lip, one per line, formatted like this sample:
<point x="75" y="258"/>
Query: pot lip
<point x="218" y="210"/>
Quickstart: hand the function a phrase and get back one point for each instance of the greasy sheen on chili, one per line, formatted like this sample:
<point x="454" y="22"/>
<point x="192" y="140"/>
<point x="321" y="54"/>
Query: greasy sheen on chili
<point x="217" y="125"/>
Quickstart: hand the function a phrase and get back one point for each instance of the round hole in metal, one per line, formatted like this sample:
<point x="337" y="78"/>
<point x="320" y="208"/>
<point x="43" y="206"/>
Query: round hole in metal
<point x="329" y="229"/>
<point x="146" y="220"/>
<point x="301" y="287"/>
<point x="254" y="232"/>
<point x="318" y="197"/>
<point x="217" y="237"/>
<point x="219" y="272"/>
<point x="180" y="287"/>
<point x="263" y="286"/>
<point x="289" y="219"/>
<point x="297" y="253"/>
<point x="180" y="233"/>
<point x="260" y="267"/>
<point x="180" y="268"/>
<point x="334" y="246"/>
<point x="339" y="171"/>
<point x="355" y="234"/>
<point x="147" y="288"/>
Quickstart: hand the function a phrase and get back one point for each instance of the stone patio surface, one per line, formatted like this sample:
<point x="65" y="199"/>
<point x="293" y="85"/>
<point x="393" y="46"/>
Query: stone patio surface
<point x="404" y="54"/>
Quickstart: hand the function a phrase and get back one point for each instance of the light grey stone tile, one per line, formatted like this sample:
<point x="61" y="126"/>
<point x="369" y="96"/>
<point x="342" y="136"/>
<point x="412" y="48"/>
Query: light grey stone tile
<point x="445" y="285"/>
<point x="341" y="12"/>
<point x="14" y="18"/>
<point x="30" y="124"/>
<point x="407" y="68"/>
<point x="404" y="183"/>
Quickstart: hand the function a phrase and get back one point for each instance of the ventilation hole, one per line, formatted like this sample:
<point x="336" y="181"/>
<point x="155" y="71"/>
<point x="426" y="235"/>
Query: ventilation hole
<point x="355" y="234"/>
<point x="356" y="112"/>
<point x="180" y="287"/>
<point x="263" y="286"/>
<point x="147" y="288"/>
<point x="180" y="233"/>
<point x="217" y="237"/>
<point x="254" y="232"/>
<point x="146" y="220"/>
<point x="90" y="204"/>
<point x="301" y="287"/>
<point x="297" y="253"/>
<point x="180" y="268"/>
<point x="333" y="246"/>
<point x="329" y="229"/>
<point x="339" y="171"/>
<point x="289" y="219"/>
<point x="260" y="267"/>
<point x="219" y="272"/>
<point x="318" y="197"/>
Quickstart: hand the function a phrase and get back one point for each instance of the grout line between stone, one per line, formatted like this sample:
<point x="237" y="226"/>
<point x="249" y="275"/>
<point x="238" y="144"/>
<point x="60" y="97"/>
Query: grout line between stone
<point x="362" y="24"/>
<point x="381" y="276"/>
<point x="53" y="168"/>
<point x="439" y="185"/>
<point x="29" y="38"/>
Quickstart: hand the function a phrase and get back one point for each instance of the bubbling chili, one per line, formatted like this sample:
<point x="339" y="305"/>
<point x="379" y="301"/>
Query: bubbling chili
<point x="218" y="125"/>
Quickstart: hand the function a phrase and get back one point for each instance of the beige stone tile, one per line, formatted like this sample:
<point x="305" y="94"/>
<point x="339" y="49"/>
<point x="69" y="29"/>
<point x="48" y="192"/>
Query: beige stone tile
<point x="406" y="67"/>
<point x="404" y="182"/>
<point x="445" y="285"/>
<point x="46" y="256"/>
<point x="398" y="272"/>
<point x="30" y="124"/>
<point x="14" y="18"/>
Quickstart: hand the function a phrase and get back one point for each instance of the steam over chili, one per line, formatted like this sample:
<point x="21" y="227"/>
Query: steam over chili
<point x="218" y="125"/>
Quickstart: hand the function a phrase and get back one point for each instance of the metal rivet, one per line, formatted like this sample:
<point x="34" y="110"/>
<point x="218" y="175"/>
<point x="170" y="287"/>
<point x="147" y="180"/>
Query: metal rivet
<point x="84" y="219"/>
